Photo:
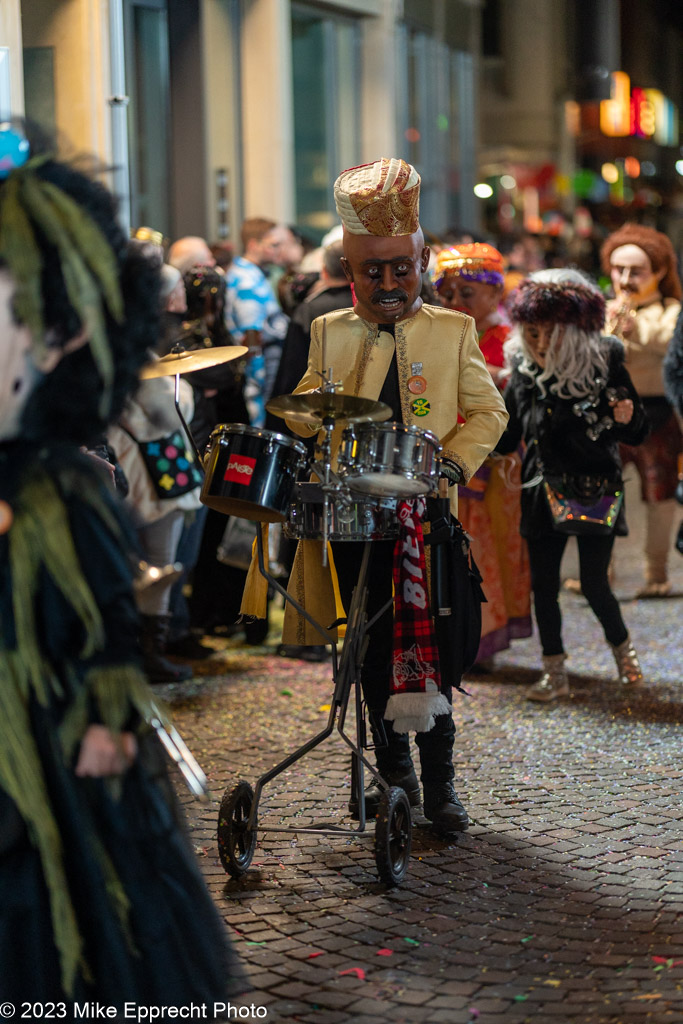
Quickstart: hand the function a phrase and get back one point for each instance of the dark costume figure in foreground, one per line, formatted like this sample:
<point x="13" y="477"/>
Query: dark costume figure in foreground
<point x="99" y="893"/>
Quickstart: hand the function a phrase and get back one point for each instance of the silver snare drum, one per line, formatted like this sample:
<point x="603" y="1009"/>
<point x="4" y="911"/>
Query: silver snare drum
<point x="389" y="459"/>
<point x="362" y="519"/>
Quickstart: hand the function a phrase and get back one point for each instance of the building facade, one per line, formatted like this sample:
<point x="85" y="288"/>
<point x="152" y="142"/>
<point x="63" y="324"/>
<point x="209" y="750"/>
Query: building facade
<point x="209" y="111"/>
<point x="580" y="109"/>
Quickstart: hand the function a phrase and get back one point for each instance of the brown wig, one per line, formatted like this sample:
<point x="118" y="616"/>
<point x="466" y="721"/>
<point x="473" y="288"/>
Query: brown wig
<point x="657" y="247"/>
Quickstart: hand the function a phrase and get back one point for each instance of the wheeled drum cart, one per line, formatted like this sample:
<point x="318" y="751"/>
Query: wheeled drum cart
<point x="238" y="824"/>
<point x="392" y="462"/>
<point x="251" y="473"/>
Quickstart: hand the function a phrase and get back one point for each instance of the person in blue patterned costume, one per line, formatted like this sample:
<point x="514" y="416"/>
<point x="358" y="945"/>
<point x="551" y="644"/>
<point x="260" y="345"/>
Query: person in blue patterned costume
<point x="254" y="316"/>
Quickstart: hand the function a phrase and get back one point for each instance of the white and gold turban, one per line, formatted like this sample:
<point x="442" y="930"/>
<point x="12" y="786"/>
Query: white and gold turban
<point x="382" y="198"/>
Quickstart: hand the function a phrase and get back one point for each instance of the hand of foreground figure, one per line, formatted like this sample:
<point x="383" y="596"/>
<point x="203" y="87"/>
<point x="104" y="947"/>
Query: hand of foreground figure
<point x="106" y="467"/>
<point x="104" y="753"/>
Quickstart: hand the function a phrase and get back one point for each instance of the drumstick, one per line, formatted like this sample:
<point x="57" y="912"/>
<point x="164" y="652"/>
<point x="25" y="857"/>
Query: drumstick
<point x="324" y="352"/>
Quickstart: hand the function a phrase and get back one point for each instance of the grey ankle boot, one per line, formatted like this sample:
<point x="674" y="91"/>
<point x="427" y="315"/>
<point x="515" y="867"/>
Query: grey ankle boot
<point x="553" y="683"/>
<point x="628" y="666"/>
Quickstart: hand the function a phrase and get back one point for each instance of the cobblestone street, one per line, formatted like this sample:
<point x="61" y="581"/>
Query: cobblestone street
<point x="563" y="901"/>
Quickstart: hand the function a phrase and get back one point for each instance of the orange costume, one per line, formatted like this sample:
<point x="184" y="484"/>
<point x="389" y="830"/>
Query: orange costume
<point x="489" y="509"/>
<point x="489" y="504"/>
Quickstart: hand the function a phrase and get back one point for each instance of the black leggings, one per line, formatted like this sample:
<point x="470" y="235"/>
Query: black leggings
<point x="545" y="555"/>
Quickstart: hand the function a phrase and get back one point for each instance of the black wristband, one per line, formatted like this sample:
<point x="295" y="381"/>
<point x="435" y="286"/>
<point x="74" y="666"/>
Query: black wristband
<point x="452" y="471"/>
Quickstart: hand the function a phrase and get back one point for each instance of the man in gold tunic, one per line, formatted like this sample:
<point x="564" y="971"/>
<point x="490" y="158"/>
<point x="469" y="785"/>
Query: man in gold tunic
<point x="425" y="363"/>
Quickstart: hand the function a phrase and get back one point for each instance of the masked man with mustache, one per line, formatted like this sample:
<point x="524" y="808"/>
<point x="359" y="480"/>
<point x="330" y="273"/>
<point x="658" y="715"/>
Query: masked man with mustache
<point x="647" y="292"/>
<point x="425" y="363"/>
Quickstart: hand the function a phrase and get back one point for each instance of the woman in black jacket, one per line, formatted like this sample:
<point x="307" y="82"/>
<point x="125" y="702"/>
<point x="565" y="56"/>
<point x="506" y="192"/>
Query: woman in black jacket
<point x="571" y="400"/>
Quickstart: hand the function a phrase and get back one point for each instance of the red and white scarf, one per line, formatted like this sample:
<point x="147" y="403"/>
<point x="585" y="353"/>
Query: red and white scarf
<point x="416" y="697"/>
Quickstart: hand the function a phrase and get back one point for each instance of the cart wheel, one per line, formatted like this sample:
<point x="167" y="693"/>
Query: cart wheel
<point x="393" y="834"/>
<point x="236" y="843"/>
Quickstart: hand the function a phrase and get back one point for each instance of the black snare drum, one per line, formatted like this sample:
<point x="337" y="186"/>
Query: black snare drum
<point x="251" y="473"/>
<point x="362" y="519"/>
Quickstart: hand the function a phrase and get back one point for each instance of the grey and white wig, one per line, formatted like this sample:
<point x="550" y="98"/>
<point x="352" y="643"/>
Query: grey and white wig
<point x="577" y="354"/>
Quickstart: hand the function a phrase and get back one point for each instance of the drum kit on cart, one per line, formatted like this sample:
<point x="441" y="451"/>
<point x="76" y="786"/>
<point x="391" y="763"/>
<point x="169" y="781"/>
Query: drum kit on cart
<point x="256" y="475"/>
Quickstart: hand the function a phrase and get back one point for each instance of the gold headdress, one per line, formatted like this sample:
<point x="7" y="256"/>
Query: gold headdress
<point x="382" y="198"/>
<point x="477" y="261"/>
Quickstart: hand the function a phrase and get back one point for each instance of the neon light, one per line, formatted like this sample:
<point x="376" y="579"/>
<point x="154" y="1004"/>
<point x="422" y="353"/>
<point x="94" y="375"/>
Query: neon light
<point x="642" y="114"/>
<point x="666" y="118"/>
<point x="615" y="113"/>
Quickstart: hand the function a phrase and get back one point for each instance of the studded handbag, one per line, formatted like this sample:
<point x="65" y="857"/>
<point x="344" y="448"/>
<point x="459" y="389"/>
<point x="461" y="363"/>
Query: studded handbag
<point x="583" y="505"/>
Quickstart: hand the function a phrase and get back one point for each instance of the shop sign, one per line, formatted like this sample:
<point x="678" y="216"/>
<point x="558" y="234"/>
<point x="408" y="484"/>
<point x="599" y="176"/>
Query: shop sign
<point x="642" y="113"/>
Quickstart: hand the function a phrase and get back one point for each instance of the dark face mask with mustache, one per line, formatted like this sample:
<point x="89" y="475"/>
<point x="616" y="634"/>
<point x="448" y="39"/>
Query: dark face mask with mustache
<point x="395" y="293"/>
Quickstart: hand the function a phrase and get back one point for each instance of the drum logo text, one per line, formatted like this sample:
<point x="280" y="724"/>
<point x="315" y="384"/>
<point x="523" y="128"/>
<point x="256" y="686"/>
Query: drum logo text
<point x="240" y="469"/>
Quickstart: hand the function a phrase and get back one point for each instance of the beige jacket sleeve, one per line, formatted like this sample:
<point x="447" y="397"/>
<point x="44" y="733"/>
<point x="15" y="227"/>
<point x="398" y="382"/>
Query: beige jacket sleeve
<point x="480" y="405"/>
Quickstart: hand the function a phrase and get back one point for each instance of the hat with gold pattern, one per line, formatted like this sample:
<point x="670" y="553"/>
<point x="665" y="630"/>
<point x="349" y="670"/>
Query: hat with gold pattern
<point x="476" y="261"/>
<point x="382" y="198"/>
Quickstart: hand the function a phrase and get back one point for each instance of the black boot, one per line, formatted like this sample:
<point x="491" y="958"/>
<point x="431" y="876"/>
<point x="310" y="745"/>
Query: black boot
<point x="396" y="768"/>
<point x="441" y="804"/>
<point x="443" y="808"/>
<point x="188" y="646"/>
<point x="153" y="644"/>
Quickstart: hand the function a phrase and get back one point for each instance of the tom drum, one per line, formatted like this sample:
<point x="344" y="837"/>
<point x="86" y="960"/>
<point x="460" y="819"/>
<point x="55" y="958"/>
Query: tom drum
<point x="251" y="473"/>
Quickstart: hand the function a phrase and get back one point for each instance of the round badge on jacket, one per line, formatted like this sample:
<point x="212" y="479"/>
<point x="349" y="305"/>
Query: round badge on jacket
<point x="421" y="407"/>
<point x="417" y="385"/>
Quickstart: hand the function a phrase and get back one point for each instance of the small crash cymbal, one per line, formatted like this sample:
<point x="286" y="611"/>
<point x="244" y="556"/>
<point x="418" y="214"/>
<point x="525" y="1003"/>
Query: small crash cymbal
<point x="196" y="359"/>
<point x="317" y="406"/>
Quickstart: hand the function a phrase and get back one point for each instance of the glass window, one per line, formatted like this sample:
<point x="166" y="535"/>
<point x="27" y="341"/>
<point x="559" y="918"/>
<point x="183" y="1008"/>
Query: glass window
<point x="436" y="124"/>
<point x="147" y="84"/>
<point x="39" y="86"/>
<point x="326" y="112"/>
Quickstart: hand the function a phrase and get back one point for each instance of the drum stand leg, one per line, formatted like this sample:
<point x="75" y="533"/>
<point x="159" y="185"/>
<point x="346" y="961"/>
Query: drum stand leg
<point x="188" y="432"/>
<point x="345" y="672"/>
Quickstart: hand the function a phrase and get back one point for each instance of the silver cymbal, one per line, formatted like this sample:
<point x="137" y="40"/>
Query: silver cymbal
<point x="316" y="406"/>
<point x="187" y="361"/>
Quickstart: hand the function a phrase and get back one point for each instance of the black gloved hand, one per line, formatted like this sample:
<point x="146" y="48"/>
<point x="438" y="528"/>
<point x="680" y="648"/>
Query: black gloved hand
<point x="451" y="470"/>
